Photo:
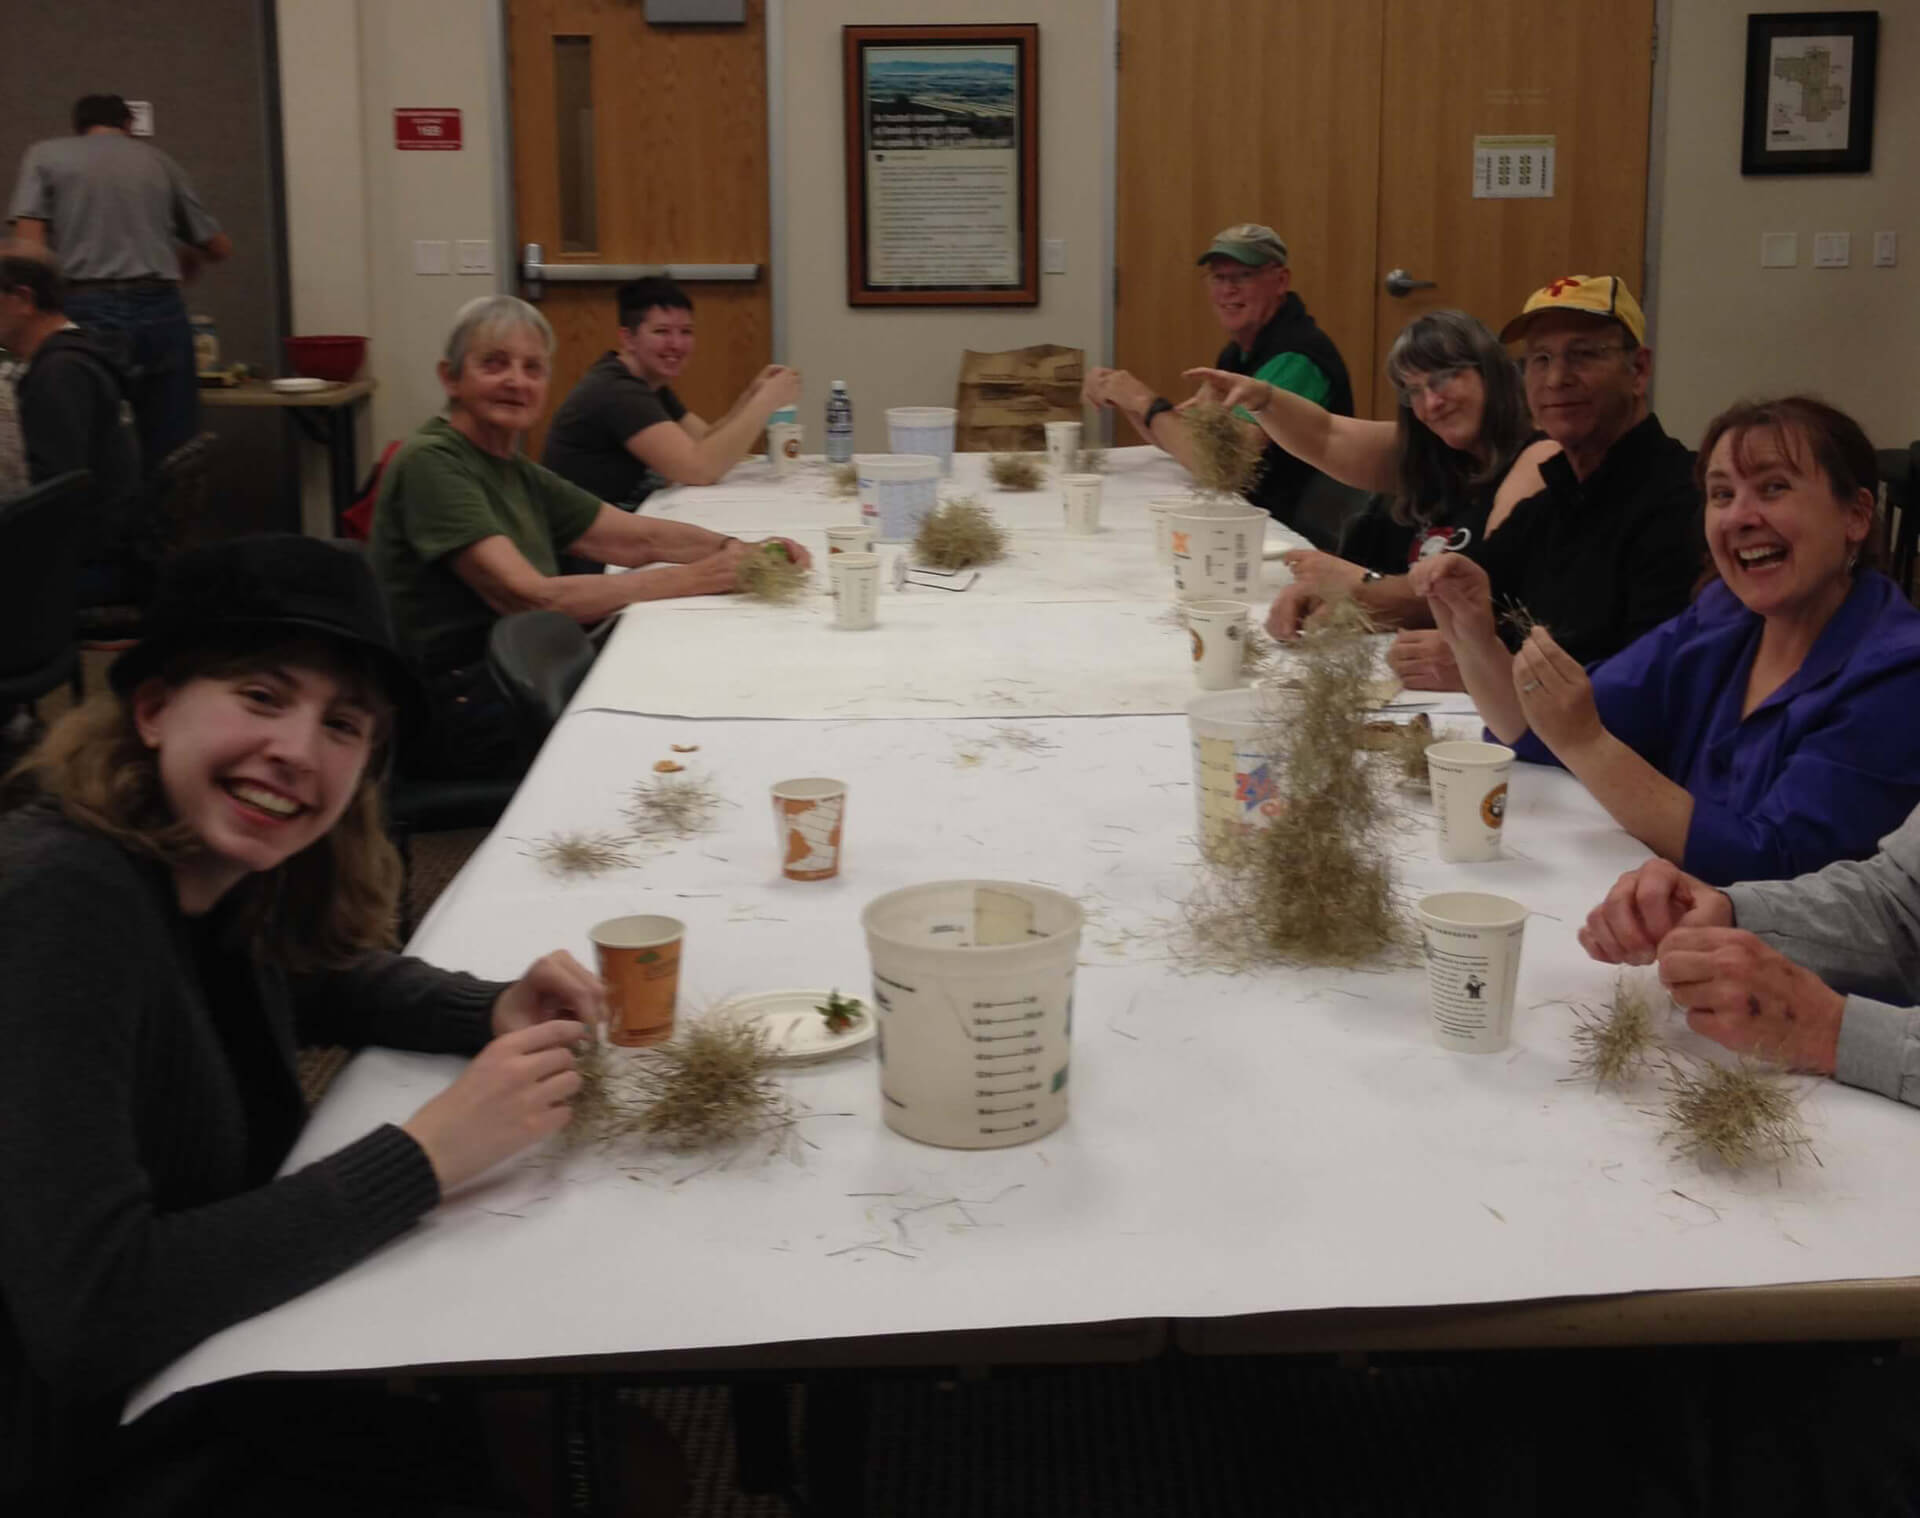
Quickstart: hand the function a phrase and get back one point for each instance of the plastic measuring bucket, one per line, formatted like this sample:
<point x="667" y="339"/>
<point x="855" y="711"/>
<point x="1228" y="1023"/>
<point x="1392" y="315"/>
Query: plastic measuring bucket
<point x="973" y="986"/>
<point x="1236" y="777"/>
<point x="923" y="429"/>
<point x="1216" y="549"/>
<point x="897" y="491"/>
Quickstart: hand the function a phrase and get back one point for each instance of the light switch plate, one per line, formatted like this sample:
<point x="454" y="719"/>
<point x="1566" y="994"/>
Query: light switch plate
<point x="430" y="257"/>
<point x="475" y="255"/>
<point x="1779" y="250"/>
<point x="1053" y="255"/>
<point x="1886" y="249"/>
<point x="1832" y="250"/>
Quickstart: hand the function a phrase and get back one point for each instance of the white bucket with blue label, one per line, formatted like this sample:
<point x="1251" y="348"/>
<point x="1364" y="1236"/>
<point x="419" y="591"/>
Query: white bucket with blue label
<point x="923" y="429"/>
<point x="973" y="1000"/>
<point x="897" y="491"/>
<point x="1236" y="772"/>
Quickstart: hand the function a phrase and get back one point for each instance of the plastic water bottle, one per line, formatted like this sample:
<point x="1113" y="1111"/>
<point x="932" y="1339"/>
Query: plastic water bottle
<point x="839" y="424"/>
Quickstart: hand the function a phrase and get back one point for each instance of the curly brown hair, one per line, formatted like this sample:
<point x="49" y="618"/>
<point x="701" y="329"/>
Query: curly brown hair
<point x="329" y="903"/>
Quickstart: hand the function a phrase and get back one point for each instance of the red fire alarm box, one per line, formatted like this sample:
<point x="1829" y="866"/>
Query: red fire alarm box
<point x="426" y="131"/>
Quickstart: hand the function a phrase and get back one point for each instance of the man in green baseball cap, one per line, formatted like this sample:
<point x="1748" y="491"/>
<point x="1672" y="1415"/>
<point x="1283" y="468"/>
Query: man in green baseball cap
<point x="1269" y="336"/>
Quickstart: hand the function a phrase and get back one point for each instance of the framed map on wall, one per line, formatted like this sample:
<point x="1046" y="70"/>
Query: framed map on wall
<point x="1809" y="104"/>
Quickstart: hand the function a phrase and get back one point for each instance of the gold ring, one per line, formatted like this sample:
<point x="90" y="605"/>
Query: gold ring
<point x="1529" y="687"/>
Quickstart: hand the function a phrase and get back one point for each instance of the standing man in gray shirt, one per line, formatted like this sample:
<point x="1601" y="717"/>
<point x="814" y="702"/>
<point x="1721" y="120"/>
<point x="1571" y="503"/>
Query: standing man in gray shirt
<point x="128" y="228"/>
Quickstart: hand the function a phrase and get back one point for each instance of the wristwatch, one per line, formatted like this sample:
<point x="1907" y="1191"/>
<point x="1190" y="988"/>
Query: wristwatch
<point x="1370" y="576"/>
<point x="1160" y="404"/>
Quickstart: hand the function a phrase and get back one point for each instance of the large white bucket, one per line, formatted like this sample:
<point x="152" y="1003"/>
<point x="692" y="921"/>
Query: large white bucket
<point x="973" y="987"/>
<point x="897" y="491"/>
<point x="1217" y="546"/>
<point x="922" y="429"/>
<point x="1236" y="779"/>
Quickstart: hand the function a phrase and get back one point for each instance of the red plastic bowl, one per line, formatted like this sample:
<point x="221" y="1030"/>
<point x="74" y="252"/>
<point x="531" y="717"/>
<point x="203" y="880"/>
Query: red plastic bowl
<point x="326" y="358"/>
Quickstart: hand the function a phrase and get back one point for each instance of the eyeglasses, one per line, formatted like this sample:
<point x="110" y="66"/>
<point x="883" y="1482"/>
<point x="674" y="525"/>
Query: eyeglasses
<point x="1578" y="357"/>
<point x="1436" y="383"/>
<point x="1233" y="278"/>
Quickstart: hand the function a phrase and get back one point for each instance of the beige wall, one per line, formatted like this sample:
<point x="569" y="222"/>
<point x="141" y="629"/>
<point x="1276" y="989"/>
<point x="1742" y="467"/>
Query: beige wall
<point x="1725" y="327"/>
<point x="901" y="356"/>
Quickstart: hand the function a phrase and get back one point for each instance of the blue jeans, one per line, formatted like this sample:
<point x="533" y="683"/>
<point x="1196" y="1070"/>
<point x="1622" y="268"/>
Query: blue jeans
<point x="155" y="342"/>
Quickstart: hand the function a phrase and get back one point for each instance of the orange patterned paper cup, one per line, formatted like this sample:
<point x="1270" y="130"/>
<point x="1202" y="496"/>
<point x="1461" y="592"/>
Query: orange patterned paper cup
<point x="640" y="963"/>
<point x="807" y="819"/>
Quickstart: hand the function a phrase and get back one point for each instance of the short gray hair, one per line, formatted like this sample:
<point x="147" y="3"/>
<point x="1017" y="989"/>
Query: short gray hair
<point x="492" y="313"/>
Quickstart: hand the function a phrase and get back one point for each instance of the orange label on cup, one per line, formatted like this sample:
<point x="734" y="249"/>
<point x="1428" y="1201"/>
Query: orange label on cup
<point x="1493" y="806"/>
<point x="642" y="987"/>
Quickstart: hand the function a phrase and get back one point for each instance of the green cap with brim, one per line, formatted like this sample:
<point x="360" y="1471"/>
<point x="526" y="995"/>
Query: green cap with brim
<point x="1248" y="243"/>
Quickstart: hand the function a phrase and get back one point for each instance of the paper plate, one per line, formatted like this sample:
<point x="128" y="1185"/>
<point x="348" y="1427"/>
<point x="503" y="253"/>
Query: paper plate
<point x="796" y="1032"/>
<point x="300" y="385"/>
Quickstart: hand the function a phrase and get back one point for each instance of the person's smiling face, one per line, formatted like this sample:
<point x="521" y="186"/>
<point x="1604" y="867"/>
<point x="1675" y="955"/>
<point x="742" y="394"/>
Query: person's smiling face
<point x="502" y="381"/>
<point x="659" y="345"/>
<point x="1584" y="381"/>
<point x="259" y="764"/>
<point x="1245" y="299"/>
<point x="1781" y="537"/>
<point x="1450" y="403"/>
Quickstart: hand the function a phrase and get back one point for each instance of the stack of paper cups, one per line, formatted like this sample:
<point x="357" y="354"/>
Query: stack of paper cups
<point x="922" y="429"/>
<point x="1063" y="446"/>
<point x="855" y="578"/>
<point x="1080" y="495"/>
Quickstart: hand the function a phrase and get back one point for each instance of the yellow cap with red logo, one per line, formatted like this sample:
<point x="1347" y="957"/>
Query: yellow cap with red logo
<point x="1596" y="294"/>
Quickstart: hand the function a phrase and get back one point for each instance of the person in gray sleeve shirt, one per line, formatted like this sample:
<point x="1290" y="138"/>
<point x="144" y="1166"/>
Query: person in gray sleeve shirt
<point x="1821" y="973"/>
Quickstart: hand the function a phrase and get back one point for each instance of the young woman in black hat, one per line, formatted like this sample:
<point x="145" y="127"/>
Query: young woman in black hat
<point x="199" y="883"/>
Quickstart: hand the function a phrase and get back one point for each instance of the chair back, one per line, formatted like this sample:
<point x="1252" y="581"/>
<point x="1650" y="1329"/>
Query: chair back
<point x="1899" y="520"/>
<point x="539" y="659"/>
<point x="40" y="533"/>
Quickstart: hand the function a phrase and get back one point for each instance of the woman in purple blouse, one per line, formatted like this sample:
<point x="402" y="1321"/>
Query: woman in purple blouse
<point x="1774" y="725"/>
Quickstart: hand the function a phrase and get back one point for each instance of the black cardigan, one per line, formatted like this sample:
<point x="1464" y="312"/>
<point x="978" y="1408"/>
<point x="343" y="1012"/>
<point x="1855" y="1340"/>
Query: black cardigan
<point x="147" y="1097"/>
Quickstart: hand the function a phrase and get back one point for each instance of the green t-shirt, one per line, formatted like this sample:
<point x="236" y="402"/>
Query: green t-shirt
<point x="1295" y="372"/>
<point x="441" y="494"/>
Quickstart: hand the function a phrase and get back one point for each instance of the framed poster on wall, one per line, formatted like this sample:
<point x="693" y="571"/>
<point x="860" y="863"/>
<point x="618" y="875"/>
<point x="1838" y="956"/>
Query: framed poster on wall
<point x="943" y="165"/>
<point x="1809" y="102"/>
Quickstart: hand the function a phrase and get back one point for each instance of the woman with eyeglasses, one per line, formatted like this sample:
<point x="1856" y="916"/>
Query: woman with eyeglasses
<point x="1454" y="461"/>
<point x="1767" y="730"/>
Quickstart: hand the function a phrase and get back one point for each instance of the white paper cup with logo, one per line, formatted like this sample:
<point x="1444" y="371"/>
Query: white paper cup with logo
<point x="1216" y="549"/>
<point x="903" y="488"/>
<point x="855" y="580"/>
<point x="1471" y="941"/>
<point x="1080" y="496"/>
<point x="973" y="997"/>
<point x="1063" y="446"/>
<point x="1469" y="797"/>
<point x="783" y="447"/>
<point x="1218" y="631"/>
<point x="1236" y="776"/>
<point x="807" y="817"/>
<point x="1160" y="514"/>
<point x="857" y="538"/>
<point x="639" y="960"/>
<point x="923" y="429"/>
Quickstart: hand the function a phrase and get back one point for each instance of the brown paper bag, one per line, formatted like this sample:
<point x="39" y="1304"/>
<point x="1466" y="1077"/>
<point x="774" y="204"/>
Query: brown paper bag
<point x="1006" y="399"/>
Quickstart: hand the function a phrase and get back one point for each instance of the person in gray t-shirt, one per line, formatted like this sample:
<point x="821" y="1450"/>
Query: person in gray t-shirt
<point x="1821" y="973"/>
<point x="128" y="227"/>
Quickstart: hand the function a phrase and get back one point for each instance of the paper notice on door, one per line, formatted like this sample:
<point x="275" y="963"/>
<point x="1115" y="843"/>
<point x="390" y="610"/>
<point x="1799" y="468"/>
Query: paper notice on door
<point x="1513" y="168"/>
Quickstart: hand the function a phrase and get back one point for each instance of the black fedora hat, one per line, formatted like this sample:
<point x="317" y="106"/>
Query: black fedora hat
<point x="234" y="594"/>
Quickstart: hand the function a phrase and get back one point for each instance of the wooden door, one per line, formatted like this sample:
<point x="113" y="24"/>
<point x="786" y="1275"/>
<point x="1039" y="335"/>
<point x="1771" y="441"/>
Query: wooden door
<point x="639" y="144"/>
<point x="1506" y="67"/>
<point x="1244" y="110"/>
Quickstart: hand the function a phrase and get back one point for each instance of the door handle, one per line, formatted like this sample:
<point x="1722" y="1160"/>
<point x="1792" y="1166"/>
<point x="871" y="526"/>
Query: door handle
<point x="536" y="273"/>
<point x="1400" y="283"/>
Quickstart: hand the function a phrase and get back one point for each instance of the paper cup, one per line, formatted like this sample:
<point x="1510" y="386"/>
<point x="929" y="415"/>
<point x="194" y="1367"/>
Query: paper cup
<point x="1216" y="549"/>
<point x="783" y="446"/>
<point x="807" y="816"/>
<point x="922" y="429"/>
<point x="1080" y="493"/>
<point x="1063" y="445"/>
<point x="1160" y="513"/>
<point x="855" y="578"/>
<point x="1472" y="945"/>
<point x="1219" y="633"/>
<point x="1236" y="779"/>
<point x="640" y="963"/>
<point x="1469" y="797"/>
<point x="855" y="539"/>
<point x="897" y="491"/>
<point x="973" y="997"/>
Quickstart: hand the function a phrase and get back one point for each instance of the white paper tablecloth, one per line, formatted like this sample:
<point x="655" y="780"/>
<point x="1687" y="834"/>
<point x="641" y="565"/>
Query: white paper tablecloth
<point x="1272" y="1141"/>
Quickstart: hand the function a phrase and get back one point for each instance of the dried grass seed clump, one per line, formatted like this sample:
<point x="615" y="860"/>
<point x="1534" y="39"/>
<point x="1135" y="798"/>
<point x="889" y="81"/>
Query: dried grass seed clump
<point x="959" y="535"/>
<point x="768" y="574"/>
<point x="673" y="805"/>
<point x="1739" y="1114"/>
<point x="712" y="1083"/>
<point x="1016" y="471"/>
<point x="572" y="855"/>
<point x="1226" y="458"/>
<point x="1614" y="1046"/>
<point x="844" y="479"/>
<point x="1407" y="746"/>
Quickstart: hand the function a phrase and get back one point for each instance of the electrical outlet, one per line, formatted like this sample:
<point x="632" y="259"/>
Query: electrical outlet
<point x="1053" y="255"/>
<point x="475" y="255"/>
<point x="430" y="257"/>
<point x="1779" y="250"/>
<point x="1832" y="250"/>
<point x="1886" y="249"/>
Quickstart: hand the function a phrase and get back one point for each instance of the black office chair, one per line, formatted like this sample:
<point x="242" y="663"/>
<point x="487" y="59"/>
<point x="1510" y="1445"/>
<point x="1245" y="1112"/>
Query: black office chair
<point x="1325" y="509"/>
<point x="1900" y="470"/>
<point x="40" y="533"/>
<point x="539" y="659"/>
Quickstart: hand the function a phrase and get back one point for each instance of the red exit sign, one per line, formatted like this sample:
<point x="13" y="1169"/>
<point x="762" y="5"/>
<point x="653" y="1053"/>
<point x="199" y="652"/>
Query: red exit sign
<point x="425" y="131"/>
